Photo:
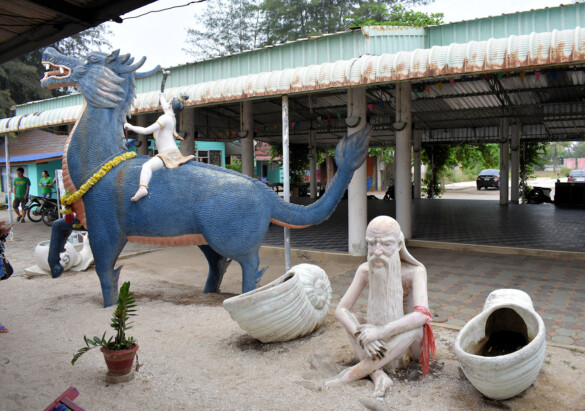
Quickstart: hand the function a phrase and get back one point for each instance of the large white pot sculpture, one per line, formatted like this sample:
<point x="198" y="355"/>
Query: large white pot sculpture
<point x="502" y="349"/>
<point x="289" y="307"/>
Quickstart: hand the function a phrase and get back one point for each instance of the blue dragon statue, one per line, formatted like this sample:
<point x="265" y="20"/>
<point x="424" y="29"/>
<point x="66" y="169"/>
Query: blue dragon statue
<point x="223" y="212"/>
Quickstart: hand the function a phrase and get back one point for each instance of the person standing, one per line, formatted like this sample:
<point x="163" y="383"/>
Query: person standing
<point x="20" y="190"/>
<point x="46" y="184"/>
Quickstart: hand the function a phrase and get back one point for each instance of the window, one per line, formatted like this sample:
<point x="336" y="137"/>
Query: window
<point x="209" y="157"/>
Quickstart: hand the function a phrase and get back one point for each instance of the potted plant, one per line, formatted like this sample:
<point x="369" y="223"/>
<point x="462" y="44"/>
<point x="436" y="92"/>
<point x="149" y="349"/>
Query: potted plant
<point x="119" y="351"/>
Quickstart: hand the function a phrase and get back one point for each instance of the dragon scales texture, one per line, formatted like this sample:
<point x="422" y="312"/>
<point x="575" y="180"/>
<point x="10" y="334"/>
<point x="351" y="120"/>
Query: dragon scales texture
<point x="224" y="212"/>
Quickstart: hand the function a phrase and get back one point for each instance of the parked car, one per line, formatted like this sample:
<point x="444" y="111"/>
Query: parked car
<point x="576" y="175"/>
<point x="488" y="178"/>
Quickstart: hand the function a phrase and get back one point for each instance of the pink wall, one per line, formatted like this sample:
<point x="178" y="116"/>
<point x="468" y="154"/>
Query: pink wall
<point x="569" y="163"/>
<point x="581" y="163"/>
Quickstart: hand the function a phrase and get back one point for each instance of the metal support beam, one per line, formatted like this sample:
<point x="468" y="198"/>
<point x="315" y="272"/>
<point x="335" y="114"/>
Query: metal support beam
<point x="515" y="177"/>
<point x="8" y="182"/>
<point x="313" y="163"/>
<point x="403" y="179"/>
<point x="286" y="176"/>
<point x="417" y="161"/>
<point x="504" y="160"/>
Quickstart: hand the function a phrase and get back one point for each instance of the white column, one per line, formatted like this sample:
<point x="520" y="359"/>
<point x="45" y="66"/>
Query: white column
<point x="247" y="124"/>
<point x="417" y="162"/>
<point x="504" y="160"/>
<point x="286" y="176"/>
<point x="313" y="163"/>
<point x="142" y="149"/>
<point x="357" y="219"/>
<point x="402" y="186"/>
<point x="188" y="126"/>
<point x="515" y="177"/>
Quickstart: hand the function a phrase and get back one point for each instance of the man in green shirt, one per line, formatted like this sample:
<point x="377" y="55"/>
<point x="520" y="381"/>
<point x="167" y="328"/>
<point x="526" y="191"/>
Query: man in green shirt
<point x="46" y="184"/>
<point x="20" y="190"/>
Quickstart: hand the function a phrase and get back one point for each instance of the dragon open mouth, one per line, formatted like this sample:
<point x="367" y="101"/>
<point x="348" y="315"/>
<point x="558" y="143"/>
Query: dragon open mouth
<point x="56" y="72"/>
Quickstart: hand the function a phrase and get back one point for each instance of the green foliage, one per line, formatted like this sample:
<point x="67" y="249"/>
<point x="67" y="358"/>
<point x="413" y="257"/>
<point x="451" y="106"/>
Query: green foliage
<point x="228" y="27"/>
<point x="298" y="159"/>
<point x="531" y="156"/>
<point x="444" y="157"/>
<point x="125" y="308"/>
<point x="378" y="14"/>
<point x="20" y="77"/>
<point x="565" y="171"/>
<point x="387" y="153"/>
<point x="233" y="26"/>
<point x="577" y="150"/>
<point x="439" y="157"/>
<point x="236" y="165"/>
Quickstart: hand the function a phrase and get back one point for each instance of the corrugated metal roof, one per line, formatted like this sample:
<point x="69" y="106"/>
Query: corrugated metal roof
<point x="513" y="53"/>
<point x="31" y="158"/>
<point x="563" y="17"/>
<point x="42" y="119"/>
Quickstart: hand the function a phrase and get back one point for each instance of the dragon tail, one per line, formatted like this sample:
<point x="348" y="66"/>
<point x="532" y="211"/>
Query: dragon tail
<point x="350" y="154"/>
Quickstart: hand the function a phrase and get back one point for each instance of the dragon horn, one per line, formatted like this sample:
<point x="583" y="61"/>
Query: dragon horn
<point x="149" y="73"/>
<point x="130" y="68"/>
<point x="113" y="56"/>
<point x="124" y="58"/>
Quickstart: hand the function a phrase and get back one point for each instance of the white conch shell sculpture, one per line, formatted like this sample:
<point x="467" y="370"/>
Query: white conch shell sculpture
<point x="503" y="376"/>
<point x="76" y="257"/>
<point x="289" y="307"/>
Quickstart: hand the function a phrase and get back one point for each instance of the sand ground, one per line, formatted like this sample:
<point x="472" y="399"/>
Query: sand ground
<point x="194" y="356"/>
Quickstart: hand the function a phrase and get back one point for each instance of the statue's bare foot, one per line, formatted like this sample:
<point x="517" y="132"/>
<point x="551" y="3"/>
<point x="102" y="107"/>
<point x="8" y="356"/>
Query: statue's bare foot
<point x="142" y="191"/>
<point x="381" y="383"/>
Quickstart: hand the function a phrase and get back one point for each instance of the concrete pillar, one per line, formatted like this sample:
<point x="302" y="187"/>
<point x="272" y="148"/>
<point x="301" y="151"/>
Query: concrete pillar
<point x="247" y="124"/>
<point x="142" y="149"/>
<point x="357" y="218"/>
<point x="313" y="163"/>
<point x="417" y="162"/>
<point x="403" y="181"/>
<point x="187" y="125"/>
<point x="504" y="160"/>
<point x="515" y="177"/>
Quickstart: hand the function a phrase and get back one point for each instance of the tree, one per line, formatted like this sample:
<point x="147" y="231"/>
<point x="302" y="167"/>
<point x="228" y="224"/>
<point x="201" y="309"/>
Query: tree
<point x="230" y="26"/>
<point x="378" y="14"/>
<point x="20" y="77"/>
<point x="531" y="155"/>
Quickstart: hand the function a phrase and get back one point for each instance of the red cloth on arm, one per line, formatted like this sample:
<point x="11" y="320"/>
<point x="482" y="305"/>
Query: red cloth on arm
<point x="428" y="349"/>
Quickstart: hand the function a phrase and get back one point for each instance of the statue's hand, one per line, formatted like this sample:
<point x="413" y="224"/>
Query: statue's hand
<point x="376" y="350"/>
<point x="368" y="333"/>
<point x="127" y="126"/>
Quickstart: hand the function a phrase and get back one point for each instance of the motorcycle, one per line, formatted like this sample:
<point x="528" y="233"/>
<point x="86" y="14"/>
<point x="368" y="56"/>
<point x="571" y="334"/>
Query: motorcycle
<point x="539" y="195"/>
<point x="41" y="208"/>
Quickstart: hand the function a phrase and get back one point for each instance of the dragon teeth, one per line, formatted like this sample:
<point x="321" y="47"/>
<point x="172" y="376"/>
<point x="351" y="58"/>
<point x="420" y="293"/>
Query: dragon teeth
<point x="47" y="66"/>
<point x="61" y="70"/>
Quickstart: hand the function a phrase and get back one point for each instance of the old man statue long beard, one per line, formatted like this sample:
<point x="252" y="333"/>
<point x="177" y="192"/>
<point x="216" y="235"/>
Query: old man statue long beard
<point x="397" y="286"/>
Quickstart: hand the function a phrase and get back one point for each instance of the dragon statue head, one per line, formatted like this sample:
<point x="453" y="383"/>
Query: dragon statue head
<point x="105" y="80"/>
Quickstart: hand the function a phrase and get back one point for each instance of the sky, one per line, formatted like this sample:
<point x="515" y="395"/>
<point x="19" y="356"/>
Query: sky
<point x="161" y="36"/>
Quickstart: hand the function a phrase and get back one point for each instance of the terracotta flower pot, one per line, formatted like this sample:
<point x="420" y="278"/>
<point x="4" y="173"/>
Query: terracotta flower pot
<point x="119" y="363"/>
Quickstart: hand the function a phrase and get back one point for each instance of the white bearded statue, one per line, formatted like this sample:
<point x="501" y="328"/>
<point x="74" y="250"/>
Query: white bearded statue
<point x="398" y="309"/>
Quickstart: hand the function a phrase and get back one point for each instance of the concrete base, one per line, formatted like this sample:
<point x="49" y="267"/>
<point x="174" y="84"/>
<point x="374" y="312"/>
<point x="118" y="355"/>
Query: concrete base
<point x="116" y="379"/>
